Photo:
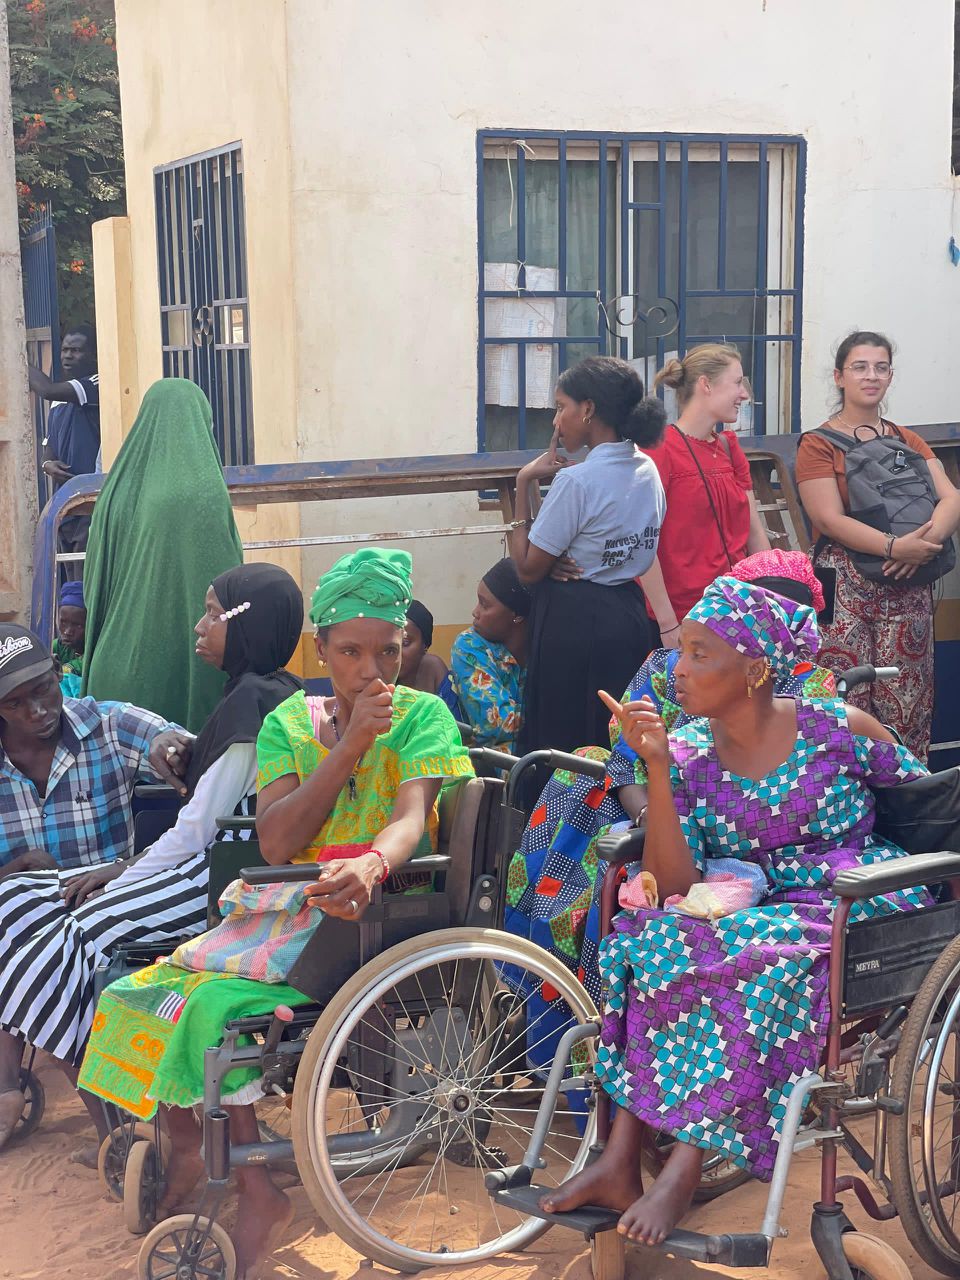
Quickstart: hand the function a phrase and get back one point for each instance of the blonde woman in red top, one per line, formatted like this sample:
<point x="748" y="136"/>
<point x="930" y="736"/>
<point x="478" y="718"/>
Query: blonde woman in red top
<point x="712" y="519"/>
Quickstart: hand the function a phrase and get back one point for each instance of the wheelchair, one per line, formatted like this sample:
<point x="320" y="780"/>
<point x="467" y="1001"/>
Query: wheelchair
<point x="406" y="1079"/>
<point x="419" y="1122"/>
<point x="892" y="1055"/>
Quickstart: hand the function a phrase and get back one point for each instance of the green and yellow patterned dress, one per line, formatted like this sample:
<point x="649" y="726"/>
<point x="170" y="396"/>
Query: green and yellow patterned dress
<point x="151" y="1029"/>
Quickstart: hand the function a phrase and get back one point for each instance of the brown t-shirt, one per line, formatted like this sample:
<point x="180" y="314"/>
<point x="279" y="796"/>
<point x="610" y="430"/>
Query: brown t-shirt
<point x="818" y="459"/>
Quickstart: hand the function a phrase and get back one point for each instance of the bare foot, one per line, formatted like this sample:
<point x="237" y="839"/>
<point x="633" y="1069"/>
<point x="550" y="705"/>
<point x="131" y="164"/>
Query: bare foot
<point x="11" y="1108"/>
<point x="603" y="1183"/>
<point x="181" y="1173"/>
<point x="87" y="1155"/>
<point x="650" y="1219"/>
<point x="262" y="1219"/>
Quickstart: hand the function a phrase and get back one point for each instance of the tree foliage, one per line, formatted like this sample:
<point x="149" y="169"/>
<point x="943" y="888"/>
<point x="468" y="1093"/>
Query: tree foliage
<point x="66" y="125"/>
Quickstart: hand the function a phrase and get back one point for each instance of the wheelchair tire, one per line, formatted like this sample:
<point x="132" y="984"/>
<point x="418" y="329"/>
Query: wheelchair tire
<point x="439" y="1213"/>
<point x="871" y="1259"/>
<point x="34" y="1102"/>
<point x="142" y="1188"/>
<point x="113" y="1153"/>
<point x="187" y="1246"/>
<point x="719" y="1176"/>
<point x="926" y="1080"/>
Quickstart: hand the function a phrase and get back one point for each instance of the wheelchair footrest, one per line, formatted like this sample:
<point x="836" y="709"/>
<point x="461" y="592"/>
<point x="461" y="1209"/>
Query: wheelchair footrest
<point x="587" y="1219"/>
<point x="742" y="1250"/>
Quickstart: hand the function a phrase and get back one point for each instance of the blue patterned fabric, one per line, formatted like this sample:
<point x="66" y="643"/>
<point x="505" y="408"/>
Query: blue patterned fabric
<point x="489" y="682"/>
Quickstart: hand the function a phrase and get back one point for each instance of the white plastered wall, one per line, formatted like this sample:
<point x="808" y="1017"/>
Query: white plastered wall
<point x="385" y="102"/>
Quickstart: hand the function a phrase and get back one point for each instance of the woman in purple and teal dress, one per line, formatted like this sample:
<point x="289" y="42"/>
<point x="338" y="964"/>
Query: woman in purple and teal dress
<point x="552" y="878"/>
<point x="707" y="1024"/>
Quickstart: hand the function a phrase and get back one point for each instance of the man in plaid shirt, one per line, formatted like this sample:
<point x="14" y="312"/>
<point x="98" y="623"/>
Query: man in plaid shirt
<point x="67" y="766"/>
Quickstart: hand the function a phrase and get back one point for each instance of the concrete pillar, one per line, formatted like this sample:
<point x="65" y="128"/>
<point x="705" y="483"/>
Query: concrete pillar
<point x="18" y="482"/>
<point x="120" y="393"/>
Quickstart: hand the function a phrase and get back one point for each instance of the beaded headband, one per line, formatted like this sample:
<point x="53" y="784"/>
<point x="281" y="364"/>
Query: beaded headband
<point x="232" y="613"/>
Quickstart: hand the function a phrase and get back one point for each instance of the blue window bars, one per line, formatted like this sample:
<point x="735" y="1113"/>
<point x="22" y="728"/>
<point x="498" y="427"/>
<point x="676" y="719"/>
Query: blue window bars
<point x="202" y="264"/>
<point x="637" y="245"/>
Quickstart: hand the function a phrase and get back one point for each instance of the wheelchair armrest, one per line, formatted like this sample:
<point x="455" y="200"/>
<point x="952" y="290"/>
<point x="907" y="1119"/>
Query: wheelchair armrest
<point x="237" y="824"/>
<point x="619" y="847"/>
<point x="154" y="791"/>
<point x="899" y="873"/>
<point x="307" y="872"/>
<point x="429" y="862"/>
<point x="286" y="873"/>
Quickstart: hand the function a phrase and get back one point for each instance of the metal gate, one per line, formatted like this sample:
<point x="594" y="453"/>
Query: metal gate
<point x="38" y="257"/>
<point x="202" y="265"/>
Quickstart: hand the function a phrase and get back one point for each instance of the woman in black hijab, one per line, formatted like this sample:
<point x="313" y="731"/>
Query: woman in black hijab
<point x="251" y="626"/>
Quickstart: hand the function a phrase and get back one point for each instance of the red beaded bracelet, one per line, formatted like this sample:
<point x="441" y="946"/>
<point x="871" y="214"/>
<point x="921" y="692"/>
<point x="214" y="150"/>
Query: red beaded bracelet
<point x="384" y="863"/>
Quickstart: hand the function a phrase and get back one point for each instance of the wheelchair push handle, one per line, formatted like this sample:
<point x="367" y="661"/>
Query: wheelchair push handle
<point x="552" y="760"/>
<point x="865" y="674"/>
<point x="491" y="758"/>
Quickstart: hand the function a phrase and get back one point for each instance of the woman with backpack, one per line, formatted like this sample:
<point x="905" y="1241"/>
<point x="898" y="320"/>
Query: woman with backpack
<point x="883" y="514"/>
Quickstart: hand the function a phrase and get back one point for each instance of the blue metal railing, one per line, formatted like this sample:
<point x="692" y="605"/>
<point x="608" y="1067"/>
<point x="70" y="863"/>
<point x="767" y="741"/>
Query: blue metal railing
<point x="679" y="166"/>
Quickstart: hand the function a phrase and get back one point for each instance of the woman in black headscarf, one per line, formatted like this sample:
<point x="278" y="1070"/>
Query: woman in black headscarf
<point x="251" y="626"/>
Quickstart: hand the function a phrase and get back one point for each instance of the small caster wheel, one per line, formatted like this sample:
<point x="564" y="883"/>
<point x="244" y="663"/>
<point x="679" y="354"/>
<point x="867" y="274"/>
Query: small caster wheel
<point x="608" y="1256"/>
<point x="873" y="1259"/>
<point x="112" y="1157"/>
<point x="142" y="1188"/>
<point x="187" y="1247"/>
<point x="34" y="1101"/>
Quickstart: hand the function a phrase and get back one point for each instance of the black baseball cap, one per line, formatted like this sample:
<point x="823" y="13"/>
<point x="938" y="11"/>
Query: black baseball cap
<point x="23" y="657"/>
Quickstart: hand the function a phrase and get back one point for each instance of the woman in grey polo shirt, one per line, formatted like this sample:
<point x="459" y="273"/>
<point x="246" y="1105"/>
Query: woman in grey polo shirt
<point x="596" y="532"/>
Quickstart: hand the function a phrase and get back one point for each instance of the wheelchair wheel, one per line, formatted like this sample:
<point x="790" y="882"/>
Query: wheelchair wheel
<point x="273" y="1117"/>
<point x="719" y="1176"/>
<point x="34" y="1101"/>
<point x="871" y="1259"/>
<point x="924" y="1140"/>
<point x="187" y="1247"/>
<point x="113" y="1153"/>
<point x="142" y="1187"/>
<point x="440" y="1091"/>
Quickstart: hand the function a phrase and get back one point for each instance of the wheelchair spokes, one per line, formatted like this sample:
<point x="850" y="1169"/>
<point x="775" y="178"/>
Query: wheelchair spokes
<point x="445" y="1061"/>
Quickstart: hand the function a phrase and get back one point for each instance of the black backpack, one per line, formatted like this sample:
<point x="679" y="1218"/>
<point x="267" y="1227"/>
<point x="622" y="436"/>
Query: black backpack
<point x="889" y="488"/>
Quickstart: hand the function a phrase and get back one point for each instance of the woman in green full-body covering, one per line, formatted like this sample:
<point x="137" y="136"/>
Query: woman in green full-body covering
<point x="162" y="530"/>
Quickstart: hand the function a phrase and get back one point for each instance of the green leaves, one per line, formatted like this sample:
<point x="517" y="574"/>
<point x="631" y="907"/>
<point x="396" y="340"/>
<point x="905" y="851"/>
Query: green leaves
<point x="67" y="131"/>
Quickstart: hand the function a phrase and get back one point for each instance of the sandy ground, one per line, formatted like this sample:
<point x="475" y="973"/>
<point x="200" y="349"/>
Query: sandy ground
<point x="57" y="1222"/>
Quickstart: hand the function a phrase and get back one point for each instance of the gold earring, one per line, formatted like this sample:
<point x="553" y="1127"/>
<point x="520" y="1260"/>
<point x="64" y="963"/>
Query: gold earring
<point x="761" y="680"/>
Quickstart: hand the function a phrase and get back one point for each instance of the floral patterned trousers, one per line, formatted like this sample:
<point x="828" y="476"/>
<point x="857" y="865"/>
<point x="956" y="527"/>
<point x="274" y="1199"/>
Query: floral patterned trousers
<point x="888" y="626"/>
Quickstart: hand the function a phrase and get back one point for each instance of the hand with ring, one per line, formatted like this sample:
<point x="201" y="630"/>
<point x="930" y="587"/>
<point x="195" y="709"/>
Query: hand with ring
<point x="344" y="887"/>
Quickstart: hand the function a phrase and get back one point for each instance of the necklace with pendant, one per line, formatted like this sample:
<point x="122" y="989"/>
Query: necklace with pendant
<point x="352" y="780"/>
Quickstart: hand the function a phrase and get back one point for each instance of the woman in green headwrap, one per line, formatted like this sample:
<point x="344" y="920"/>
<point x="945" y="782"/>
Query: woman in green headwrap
<point x="351" y="781"/>
<point x="162" y="530"/>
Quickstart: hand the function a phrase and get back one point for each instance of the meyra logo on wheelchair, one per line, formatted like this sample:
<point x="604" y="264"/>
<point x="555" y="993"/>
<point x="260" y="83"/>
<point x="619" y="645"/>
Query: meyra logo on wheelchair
<point x="427" y="1101"/>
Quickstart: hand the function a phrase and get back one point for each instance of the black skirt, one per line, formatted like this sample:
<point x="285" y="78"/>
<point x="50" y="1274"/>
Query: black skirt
<point x="583" y="637"/>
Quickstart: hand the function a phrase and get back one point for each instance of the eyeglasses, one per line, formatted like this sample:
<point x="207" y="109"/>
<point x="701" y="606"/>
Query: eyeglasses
<point x="860" y="368"/>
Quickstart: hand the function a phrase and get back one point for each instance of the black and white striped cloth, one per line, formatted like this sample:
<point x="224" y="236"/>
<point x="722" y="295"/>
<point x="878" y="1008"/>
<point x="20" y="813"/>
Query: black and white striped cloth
<point x="49" y="952"/>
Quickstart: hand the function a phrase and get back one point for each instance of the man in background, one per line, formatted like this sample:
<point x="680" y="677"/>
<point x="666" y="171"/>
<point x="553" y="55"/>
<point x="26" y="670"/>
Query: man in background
<point x="72" y="444"/>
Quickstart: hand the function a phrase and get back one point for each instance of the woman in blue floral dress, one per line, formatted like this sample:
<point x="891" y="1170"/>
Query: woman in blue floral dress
<point x="709" y="1023"/>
